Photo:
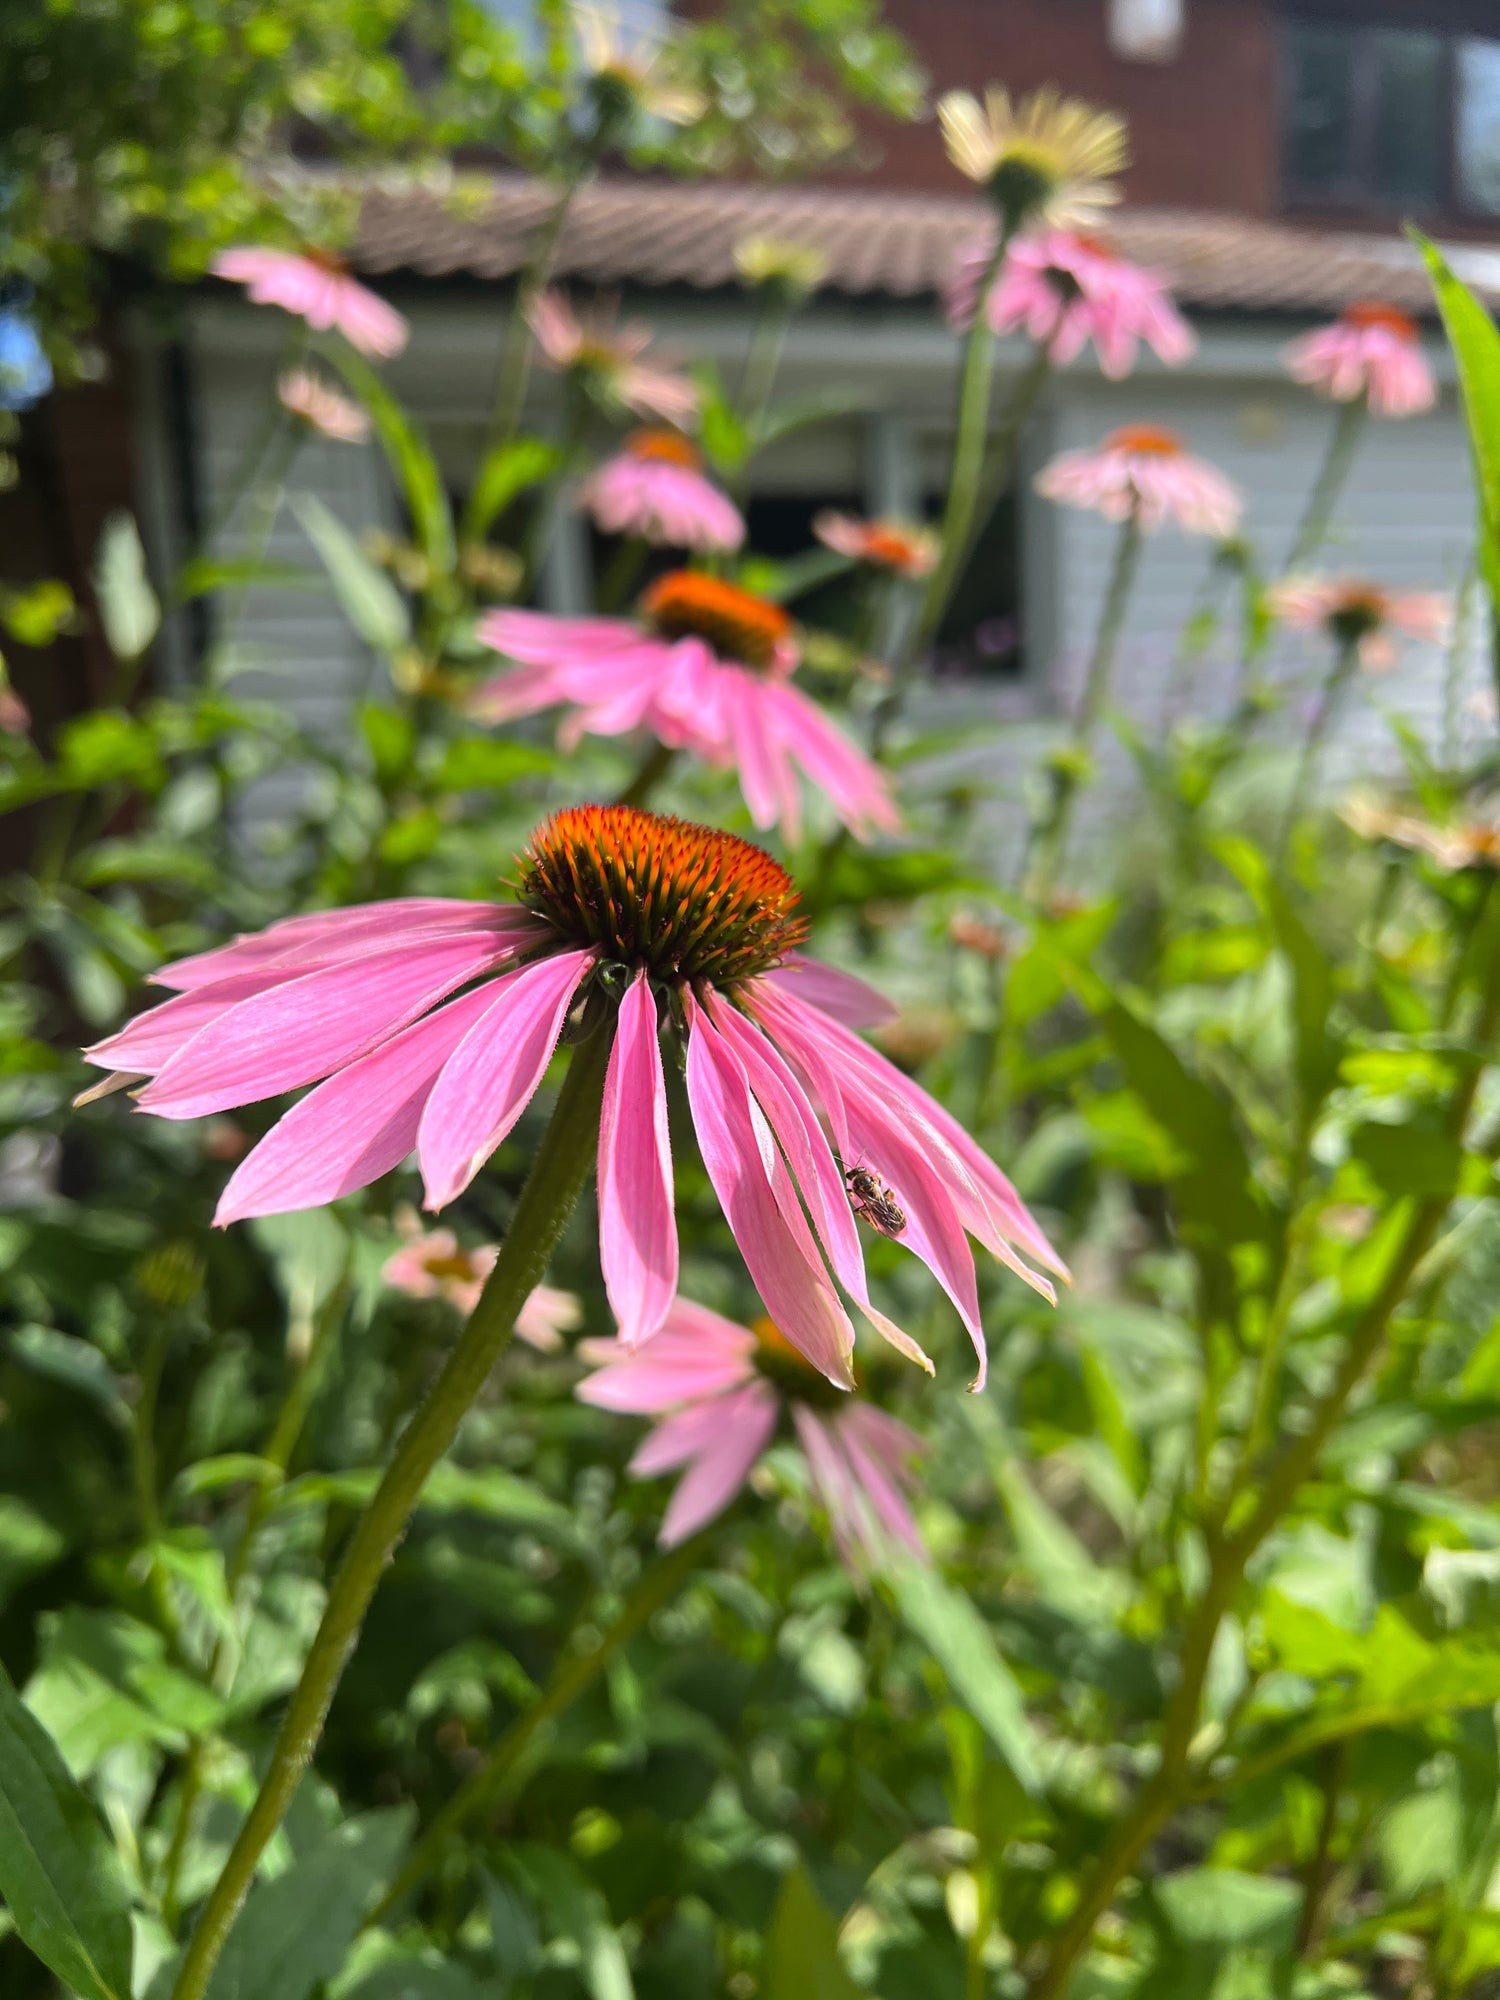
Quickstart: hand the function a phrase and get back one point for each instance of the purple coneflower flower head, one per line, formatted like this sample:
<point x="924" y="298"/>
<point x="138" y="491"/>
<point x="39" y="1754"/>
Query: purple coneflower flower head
<point x="1143" y="474"/>
<point x="1371" y="350"/>
<point x="318" y="288"/>
<point x="427" y="1025"/>
<point x="721" y="1391"/>
<point x="655" y="489"/>
<point x="707" y="669"/>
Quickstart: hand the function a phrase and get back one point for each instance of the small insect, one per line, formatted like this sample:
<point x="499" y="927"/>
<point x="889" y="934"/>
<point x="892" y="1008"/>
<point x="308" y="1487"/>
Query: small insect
<point x="871" y="1198"/>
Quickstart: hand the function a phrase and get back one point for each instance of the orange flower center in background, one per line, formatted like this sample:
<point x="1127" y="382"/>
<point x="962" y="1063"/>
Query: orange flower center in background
<point x="686" y="902"/>
<point x="893" y="546"/>
<point x="1389" y="319"/>
<point x="1145" y="441"/>
<point x="455" y="1264"/>
<point x="664" y="448"/>
<point x="1357" y="610"/>
<point x="789" y="1369"/>
<point x="1095" y="245"/>
<point x="326" y="260"/>
<point x="733" y="621"/>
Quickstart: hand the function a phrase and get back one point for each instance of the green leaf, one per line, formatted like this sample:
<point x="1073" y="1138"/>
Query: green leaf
<point x="412" y="462"/>
<point x="478" y="763"/>
<point x="1223" y="1907"/>
<point x="74" y="1364"/>
<point x="105" y="1679"/>
<point x="390" y="736"/>
<point x="107" y="746"/>
<point x="802" y="1947"/>
<point x="371" y="602"/>
<point x="513" y="1934"/>
<point x="1318" y="1051"/>
<point x="1476" y="349"/>
<point x="506" y="471"/>
<point x="297" y="1928"/>
<point x="128" y="605"/>
<point x="60" y="1876"/>
<point x="964" y="1647"/>
<point x="28" y="1544"/>
<point x="575" y="1910"/>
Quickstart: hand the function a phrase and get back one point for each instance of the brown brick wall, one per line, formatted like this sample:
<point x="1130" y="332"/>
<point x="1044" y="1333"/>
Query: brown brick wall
<point x="1202" y="127"/>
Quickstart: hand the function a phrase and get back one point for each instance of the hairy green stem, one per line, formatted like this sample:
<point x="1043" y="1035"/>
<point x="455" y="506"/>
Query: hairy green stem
<point x="1050" y="837"/>
<point x="558" y="1173"/>
<point x="570" y="1679"/>
<point x="1343" y="439"/>
<point x="1343" y="670"/>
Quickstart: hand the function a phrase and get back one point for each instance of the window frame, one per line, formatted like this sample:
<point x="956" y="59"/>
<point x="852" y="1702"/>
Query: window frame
<point x="1355" y="196"/>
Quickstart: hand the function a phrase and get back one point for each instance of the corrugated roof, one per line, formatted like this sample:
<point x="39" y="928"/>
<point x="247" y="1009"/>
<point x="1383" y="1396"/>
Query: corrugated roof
<point x="877" y="243"/>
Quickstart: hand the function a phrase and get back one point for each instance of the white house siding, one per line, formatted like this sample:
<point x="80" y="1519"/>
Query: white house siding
<point x="1405" y="519"/>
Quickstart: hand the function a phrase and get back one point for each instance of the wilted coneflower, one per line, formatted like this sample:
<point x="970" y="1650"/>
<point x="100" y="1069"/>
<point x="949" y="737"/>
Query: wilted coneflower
<point x="1371" y="352"/>
<point x="781" y="265"/>
<point x="1064" y="289"/>
<point x="1363" y="617"/>
<point x="1044" y="159"/>
<point x="1144" y="475"/>
<point x="655" y="489"/>
<point x="1453" y="844"/>
<point x="627" y="925"/>
<point x="318" y="288"/>
<point x="707" y="669"/>
<point x="303" y="394"/>
<point x="629" y="73"/>
<point x="721" y="1391"/>
<point x="605" y="360"/>
<point x="902" y="546"/>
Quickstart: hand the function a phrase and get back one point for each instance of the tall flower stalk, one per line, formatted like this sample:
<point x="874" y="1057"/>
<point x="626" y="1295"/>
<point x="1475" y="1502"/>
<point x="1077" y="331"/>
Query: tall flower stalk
<point x="557" y="1176"/>
<point x="1328" y="487"/>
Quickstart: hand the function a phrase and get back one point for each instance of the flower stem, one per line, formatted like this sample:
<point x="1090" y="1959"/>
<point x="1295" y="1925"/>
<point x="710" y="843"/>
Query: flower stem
<point x="762" y="366"/>
<point x="1050" y="835"/>
<point x="1345" y="664"/>
<point x="1342" y="440"/>
<point x="572" y="1677"/>
<point x="649" y="773"/>
<point x="515" y="362"/>
<point x="1173" y="1785"/>
<point x="558" y="1173"/>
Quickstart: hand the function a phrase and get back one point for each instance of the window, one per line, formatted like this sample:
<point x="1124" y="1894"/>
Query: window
<point x="1400" y="120"/>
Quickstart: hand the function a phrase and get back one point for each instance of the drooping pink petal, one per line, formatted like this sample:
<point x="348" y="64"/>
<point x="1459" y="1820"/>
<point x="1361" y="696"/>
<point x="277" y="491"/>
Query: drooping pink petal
<point x="696" y="1354"/>
<point x="307" y="1027"/>
<point x="493" y="1073"/>
<point x="325" y="935"/>
<point x="724" y="1438"/>
<point x="879" y="1449"/>
<point x="779" y="1251"/>
<point x="846" y="997"/>
<point x="356" y="1126"/>
<point x="637" y="1219"/>
<point x="148" y="1043"/>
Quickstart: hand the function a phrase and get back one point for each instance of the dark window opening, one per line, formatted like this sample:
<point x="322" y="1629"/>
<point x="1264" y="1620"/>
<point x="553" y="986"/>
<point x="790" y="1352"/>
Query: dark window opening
<point x="1391" y="120"/>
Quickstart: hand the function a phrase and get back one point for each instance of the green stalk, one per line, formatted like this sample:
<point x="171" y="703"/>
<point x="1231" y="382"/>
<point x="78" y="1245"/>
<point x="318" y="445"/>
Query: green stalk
<point x="557" y="1176"/>
<point x="572" y="1678"/>
<point x="1173" y="1784"/>
<point x="762" y="366"/>
<point x="515" y="362"/>
<point x="1343" y="440"/>
<point x="1345" y="665"/>
<point x="649" y="773"/>
<point x="1049" y="839"/>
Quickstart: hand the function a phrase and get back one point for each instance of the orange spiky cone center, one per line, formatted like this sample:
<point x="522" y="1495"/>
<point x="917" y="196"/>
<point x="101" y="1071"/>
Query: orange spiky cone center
<point x="735" y="622"/>
<point x="1145" y="441"/>
<point x="1387" y="319"/>
<point x="663" y="447"/>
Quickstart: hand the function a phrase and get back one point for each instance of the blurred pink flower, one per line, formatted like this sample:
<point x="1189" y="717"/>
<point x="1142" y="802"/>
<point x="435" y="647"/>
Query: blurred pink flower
<point x="884" y="544"/>
<point x="707" y="670"/>
<point x="430" y="1265"/>
<point x="1143" y="473"/>
<point x="675" y="926"/>
<point x="1364" y="615"/>
<point x="15" y="716"/>
<point x="655" y="489"/>
<point x="607" y="359"/>
<point x="1064" y="289"/>
<point x="720" y="1390"/>
<point x="318" y="288"/>
<point x="1370" y="350"/>
<point x="305" y="395"/>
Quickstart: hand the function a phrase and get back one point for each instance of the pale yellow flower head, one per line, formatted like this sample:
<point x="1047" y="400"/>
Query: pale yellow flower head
<point x="633" y="67"/>
<point x="1044" y="159"/>
<point x="779" y="261"/>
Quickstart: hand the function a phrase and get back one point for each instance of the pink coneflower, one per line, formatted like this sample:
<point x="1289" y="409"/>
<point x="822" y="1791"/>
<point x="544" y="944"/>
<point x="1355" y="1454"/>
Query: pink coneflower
<point x="319" y="289"/>
<point x="1362" y="615"/>
<point x="1143" y="474"/>
<point x="721" y="1390"/>
<point x="708" y="669"/>
<point x="902" y="546"/>
<point x="1452" y="844"/>
<point x="656" y="925"/>
<point x="305" y="395"/>
<point x="655" y="489"/>
<point x="1064" y="289"/>
<point x="1371" y="350"/>
<point x="431" y="1264"/>
<point x="606" y="360"/>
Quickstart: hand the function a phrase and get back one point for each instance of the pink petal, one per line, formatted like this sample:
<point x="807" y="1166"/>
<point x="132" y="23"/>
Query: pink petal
<point x="779" y="1251"/>
<point x="356" y="1126"/>
<point x="637" y="1222"/>
<point x="741" y="1428"/>
<point x="493" y="1073"/>
<point x="149" y="1042"/>
<point x="848" y="999"/>
<point x="338" y="932"/>
<point x="307" y="1027"/>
